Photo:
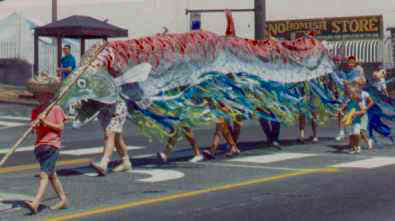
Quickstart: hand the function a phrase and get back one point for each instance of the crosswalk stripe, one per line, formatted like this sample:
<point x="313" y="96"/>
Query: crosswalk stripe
<point x="11" y="124"/>
<point x="271" y="158"/>
<point x="373" y="162"/>
<point x="19" y="149"/>
<point x="14" y="118"/>
<point x="93" y="150"/>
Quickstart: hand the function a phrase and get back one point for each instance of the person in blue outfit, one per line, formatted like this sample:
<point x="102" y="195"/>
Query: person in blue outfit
<point x="67" y="63"/>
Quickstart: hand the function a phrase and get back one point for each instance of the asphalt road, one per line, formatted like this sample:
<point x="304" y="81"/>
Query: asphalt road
<point x="308" y="181"/>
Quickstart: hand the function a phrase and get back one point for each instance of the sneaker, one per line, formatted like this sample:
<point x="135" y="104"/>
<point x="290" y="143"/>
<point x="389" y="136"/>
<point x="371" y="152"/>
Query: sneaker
<point x="315" y="139"/>
<point x="196" y="159"/>
<point x="352" y="152"/>
<point x="208" y="155"/>
<point x="358" y="149"/>
<point x="340" y="137"/>
<point x="276" y="144"/>
<point x="100" y="167"/>
<point x="124" y="166"/>
<point x="370" y="144"/>
<point x="162" y="157"/>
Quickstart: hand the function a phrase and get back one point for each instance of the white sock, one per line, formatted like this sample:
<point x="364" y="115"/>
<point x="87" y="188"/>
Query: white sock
<point x="105" y="160"/>
<point x="125" y="158"/>
<point x="302" y="133"/>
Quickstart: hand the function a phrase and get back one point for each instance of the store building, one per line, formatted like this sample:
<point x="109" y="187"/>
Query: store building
<point x="362" y="37"/>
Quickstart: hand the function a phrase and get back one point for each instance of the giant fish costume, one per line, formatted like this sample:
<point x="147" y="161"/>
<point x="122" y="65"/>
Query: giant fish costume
<point x="168" y="80"/>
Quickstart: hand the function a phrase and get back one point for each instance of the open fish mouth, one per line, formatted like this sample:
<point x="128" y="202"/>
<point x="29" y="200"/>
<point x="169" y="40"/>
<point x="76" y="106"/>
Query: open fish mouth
<point x="85" y="109"/>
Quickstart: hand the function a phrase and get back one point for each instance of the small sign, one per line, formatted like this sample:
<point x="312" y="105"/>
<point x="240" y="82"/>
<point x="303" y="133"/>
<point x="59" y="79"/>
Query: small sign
<point x="196" y="21"/>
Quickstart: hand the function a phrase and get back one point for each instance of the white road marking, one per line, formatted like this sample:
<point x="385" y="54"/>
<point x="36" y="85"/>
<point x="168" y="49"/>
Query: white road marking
<point x="19" y="149"/>
<point x="15" y="118"/>
<point x="93" y="150"/>
<point x="158" y="175"/>
<point x="251" y="166"/>
<point x="271" y="158"/>
<point x="373" y="162"/>
<point x="11" y="124"/>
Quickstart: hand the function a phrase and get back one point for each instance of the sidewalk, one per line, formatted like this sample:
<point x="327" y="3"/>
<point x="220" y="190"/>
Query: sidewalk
<point x="15" y="94"/>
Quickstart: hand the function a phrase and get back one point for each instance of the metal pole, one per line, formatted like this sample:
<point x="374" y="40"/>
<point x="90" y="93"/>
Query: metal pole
<point x="36" y="54"/>
<point x="54" y="10"/>
<point x="54" y="18"/>
<point x="260" y="18"/>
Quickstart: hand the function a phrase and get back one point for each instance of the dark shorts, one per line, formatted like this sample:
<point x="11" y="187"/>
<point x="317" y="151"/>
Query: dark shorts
<point x="47" y="156"/>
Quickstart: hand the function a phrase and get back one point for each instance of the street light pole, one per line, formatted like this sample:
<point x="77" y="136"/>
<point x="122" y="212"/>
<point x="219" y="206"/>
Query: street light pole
<point x="57" y="42"/>
<point x="260" y="18"/>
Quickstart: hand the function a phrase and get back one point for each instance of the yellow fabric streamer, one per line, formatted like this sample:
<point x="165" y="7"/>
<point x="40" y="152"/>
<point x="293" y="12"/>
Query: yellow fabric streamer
<point x="347" y="119"/>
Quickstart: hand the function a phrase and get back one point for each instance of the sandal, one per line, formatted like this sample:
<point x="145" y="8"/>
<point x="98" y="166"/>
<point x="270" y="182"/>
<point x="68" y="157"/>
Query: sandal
<point x="232" y="153"/>
<point x="30" y="206"/>
<point x="208" y="155"/>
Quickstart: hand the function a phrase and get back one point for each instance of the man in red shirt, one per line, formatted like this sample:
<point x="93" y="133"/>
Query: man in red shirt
<point x="48" y="129"/>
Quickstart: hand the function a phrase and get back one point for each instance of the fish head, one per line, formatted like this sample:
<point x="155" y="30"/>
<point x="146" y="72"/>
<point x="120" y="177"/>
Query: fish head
<point x="92" y="91"/>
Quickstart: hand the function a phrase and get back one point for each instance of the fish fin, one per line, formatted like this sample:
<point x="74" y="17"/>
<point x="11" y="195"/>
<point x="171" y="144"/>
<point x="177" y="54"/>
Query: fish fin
<point x="138" y="73"/>
<point x="230" y="25"/>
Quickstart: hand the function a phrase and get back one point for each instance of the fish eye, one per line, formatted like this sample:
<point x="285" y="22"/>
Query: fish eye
<point x="81" y="83"/>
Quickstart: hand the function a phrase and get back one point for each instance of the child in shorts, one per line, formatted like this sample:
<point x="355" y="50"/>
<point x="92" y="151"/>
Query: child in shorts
<point x="48" y="129"/>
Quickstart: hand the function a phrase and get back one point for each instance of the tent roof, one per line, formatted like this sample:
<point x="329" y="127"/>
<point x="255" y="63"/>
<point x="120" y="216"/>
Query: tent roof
<point x="81" y="27"/>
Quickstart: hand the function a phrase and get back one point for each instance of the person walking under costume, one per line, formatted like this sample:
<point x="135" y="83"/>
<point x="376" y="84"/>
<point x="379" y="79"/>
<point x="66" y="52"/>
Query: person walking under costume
<point x="112" y="119"/>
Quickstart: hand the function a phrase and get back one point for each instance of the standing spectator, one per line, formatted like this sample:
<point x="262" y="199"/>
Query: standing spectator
<point x="67" y="63"/>
<point x="379" y="78"/>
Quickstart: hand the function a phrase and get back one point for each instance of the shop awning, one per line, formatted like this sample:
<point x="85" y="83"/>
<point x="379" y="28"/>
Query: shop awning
<point x="366" y="51"/>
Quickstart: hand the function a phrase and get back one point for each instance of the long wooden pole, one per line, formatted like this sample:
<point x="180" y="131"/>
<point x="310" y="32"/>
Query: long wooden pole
<point x="55" y="102"/>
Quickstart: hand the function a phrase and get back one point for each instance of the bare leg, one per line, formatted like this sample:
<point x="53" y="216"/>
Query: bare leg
<point x="354" y="141"/>
<point x="216" y="138"/>
<point x="226" y="133"/>
<point x="40" y="192"/>
<point x="109" y="143"/>
<point x="122" y="150"/>
<point x="120" y="145"/>
<point x="237" y="124"/>
<point x="189" y="136"/>
<point x="171" y="142"/>
<point x="365" y="138"/>
<point x="57" y="186"/>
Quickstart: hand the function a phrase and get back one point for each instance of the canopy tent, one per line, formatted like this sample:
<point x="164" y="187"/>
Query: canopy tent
<point x="81" y="27"/>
